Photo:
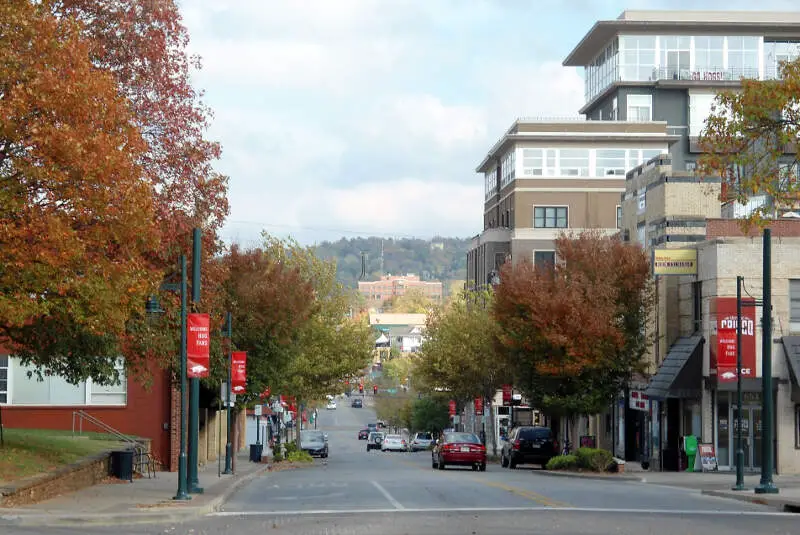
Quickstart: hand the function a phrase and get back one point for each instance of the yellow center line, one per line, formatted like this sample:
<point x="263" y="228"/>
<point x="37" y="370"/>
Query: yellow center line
<point x="529" y="494"/>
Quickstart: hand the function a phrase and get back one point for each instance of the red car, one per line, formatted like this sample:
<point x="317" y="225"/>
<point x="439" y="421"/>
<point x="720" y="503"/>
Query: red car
<point x="459" y="449"/>
<point x="363" y="434"/>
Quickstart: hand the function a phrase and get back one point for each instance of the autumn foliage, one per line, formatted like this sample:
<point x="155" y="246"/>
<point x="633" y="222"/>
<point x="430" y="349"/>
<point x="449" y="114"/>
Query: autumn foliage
<point x="750" y="141"/>
<point x="572" y="333"/>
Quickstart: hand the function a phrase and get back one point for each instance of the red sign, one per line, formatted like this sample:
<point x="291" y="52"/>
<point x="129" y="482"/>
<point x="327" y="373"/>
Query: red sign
<point x="723" y="350"/>
<point x="452" y="408"/>
<point x="198" y="342"/>
<point x="506" y="394"/>
<point x="478" y="406"/>
<point x="239" y="372"/>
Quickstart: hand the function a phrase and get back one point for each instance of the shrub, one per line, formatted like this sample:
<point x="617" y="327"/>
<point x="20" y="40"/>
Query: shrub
<point x="289" y="448"/>
<point x="594" y="459"/>
<point x="562" y="462"/>
<point x="299" y="457"/>
<point x="277" y="457"/>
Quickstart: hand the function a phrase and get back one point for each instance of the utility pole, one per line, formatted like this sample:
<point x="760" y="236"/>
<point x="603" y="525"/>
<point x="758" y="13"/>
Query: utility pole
<point x="766" y="485"/>
<point x="739" y="446"/>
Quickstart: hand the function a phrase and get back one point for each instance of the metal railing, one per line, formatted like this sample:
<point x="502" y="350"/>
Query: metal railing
<point x="143" y="462"/>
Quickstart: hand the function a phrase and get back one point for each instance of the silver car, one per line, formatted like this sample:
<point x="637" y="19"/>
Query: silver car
<point x="394" y="443"/>
<point x="315" y="443"/>
<point x="421" y="441"/>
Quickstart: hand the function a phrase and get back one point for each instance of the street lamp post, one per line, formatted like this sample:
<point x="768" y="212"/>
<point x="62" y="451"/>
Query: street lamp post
<point x="766" y="485"/>
<point x="228" y="449"/>
<point x="194" y="405"/>
<point x="182" y="493"/>
<point x="739" y="446"/>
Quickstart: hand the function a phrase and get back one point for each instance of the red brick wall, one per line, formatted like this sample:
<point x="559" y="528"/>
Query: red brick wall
<point x="721" y="228"/>
<point x="144" y="415"/>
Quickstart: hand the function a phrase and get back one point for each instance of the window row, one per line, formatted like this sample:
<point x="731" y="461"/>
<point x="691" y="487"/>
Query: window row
<point x="20" y="385"/>
<point x="490" y="180"/>
<point x="583" y="162"/>
<point x="508" y="168"/>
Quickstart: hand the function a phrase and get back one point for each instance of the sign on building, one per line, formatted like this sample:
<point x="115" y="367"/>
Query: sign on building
<point x="723" y="343"/>
<point x="674" y="262"/>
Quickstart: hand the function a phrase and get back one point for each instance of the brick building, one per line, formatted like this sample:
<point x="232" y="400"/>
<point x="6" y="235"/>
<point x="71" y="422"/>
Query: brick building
<point x="376" y="293"/>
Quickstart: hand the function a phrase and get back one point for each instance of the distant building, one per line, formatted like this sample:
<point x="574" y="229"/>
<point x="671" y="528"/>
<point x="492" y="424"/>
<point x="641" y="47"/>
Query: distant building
<point x="403" y="332"/>
<point x="376" y="293"/>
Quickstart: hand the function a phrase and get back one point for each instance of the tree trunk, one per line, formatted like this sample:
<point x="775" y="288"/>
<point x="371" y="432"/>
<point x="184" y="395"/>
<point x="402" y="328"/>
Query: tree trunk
<point x="488" y="409"/>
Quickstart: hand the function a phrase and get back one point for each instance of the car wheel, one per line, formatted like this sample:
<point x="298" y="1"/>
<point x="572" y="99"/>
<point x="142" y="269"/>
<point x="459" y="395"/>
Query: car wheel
<point x="474" y="467"/>
<point x="503" y="461"/>
<point x="482" y="467"/>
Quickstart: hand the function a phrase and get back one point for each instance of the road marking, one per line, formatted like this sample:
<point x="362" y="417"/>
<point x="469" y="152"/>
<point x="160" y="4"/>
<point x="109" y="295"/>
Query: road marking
<point x="395" y="503"/>
<point x="525" y="493"/>
<point x="666" y="512"/>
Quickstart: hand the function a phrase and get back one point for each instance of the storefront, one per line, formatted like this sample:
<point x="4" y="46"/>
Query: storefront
<point x="726" y="425"/>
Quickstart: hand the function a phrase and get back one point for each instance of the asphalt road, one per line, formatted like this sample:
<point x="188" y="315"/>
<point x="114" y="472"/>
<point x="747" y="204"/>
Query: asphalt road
<point x="357" y="492"/>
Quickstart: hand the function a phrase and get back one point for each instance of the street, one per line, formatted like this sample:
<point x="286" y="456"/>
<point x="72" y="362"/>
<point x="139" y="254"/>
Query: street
<point x="358" y="492"/>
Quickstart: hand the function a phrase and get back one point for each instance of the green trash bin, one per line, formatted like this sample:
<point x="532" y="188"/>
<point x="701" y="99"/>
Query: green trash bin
<point x="122" y="464"/>
<point x="690" y="447"/>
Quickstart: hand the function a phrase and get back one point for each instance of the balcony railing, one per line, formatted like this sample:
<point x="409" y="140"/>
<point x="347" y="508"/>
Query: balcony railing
<point x="705" y="74"/>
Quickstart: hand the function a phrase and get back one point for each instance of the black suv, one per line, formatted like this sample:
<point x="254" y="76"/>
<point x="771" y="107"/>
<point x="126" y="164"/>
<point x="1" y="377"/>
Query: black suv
<point x="528" y="445"/>
<point x="356" y="403"/>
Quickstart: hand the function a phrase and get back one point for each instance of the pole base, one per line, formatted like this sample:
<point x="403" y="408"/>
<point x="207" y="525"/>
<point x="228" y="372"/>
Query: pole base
<point x="196" y="490"/>
<point x="738" y="487"/>
<point x="227" y="472"/>
<point x="182" y="496"/>
<point x="766" y="488"/>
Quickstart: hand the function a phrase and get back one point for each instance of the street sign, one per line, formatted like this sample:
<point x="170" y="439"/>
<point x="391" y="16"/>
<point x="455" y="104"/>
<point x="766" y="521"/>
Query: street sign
<point x="258" y="409"/>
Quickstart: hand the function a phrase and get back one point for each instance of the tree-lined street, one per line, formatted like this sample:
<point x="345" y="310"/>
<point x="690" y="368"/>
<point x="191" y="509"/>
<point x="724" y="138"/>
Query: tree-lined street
<point x="359" y="492"/>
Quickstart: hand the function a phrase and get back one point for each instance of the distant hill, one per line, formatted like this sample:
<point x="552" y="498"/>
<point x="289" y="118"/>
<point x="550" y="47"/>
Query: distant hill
<point x="442" y="259"/>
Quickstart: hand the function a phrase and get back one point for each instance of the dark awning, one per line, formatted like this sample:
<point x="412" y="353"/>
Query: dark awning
<point x="791" y="345"/>
<point x="681" y="373"/>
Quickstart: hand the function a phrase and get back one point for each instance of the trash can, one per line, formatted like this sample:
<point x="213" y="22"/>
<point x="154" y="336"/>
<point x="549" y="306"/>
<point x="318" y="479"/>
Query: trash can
<point x="122" y="464"/>
<point x="256" y="451"/>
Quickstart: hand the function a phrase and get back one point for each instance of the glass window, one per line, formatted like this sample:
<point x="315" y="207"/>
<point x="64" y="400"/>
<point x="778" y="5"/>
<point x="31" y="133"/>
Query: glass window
<point x="4" y="379"/>
<point x="776" y="53"/>
<point x="638" y="57"/>
<point x="619" y="216"/>
<point x="550" y="217"/>
<point x="699" y="110"/>
<point x="675" y="56"/>
<point x="743" y="56"/>
<point x="610" y="162"/>
<point x="794" y="305"/>
<point x="709" y="54"/>
<point x="640" y="108"/>
<point x="544" y="258"/>
<point x="465" y="438"/>
<point x="648" y="154"/>
<point x="110" y="394"/>
<point x="574" y="162"/>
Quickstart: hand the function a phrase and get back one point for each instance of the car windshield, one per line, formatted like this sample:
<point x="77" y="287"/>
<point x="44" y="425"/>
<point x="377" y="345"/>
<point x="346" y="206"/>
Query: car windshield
<point x="312" y="436"/>
<point x="424" y="436"/>
<point x="462" y="437"/>
<point x="534" y="433"/>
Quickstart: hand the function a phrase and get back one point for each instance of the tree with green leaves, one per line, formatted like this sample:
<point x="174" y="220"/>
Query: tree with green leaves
<point x="430" y="414"/>
<point x="750" y="141"/>
<point x="413" y="301"/>
<point x="459" y="355"/>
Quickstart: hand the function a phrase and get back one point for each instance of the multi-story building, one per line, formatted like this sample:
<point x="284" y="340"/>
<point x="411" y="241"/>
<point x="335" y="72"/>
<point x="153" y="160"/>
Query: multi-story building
<point x="376" y="293"/>
<point x="669" y="65"/>
<point x="675" y="216"/>
<point x="546" y="177"/>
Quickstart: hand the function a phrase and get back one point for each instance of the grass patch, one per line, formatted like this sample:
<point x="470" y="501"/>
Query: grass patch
<point x="28" y="452"/>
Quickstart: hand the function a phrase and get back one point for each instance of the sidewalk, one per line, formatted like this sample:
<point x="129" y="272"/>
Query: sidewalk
<point x="710" y="483"/>
<point x="144" y="500"/>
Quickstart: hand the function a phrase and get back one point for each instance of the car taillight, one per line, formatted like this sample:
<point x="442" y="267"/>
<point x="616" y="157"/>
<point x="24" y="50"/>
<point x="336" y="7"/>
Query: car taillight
<point x="516" y="444"/>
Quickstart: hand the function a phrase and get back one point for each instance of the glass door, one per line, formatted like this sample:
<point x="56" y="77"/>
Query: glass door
<point x="746" y="436"/>
<point x="756" y="428"/>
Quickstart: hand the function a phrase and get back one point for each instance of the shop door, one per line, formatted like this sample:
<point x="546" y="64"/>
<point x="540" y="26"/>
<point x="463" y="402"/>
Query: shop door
<point x="751" y="436"/>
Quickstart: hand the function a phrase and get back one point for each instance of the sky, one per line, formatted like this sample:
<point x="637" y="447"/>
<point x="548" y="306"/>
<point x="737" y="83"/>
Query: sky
<point x="346" y="118"/>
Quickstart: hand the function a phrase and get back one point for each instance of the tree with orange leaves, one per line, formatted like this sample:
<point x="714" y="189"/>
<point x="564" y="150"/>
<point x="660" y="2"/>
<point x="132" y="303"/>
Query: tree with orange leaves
<point x="750" y="141"/>
<point x="573" y="333"/>
<point x="76" y="219"/>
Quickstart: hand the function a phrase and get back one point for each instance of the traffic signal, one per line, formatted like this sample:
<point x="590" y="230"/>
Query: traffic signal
<point x="361" y="388"/>
<point x="374" y="389"/>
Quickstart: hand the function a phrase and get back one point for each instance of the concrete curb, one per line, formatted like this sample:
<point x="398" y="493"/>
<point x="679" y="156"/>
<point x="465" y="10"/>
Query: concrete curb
<point x="176" y="513"/>
<point x="584" y="475"/>
<point x="770" y="500"/>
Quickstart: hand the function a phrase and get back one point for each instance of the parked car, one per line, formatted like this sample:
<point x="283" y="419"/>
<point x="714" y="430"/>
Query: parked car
<point x="372" y="427"/>
<point x="381" y="424"/>
<point x="394" y="443"/>
<point x="363" y="434"/>
<point x="331" y="405"/>
<point x="356" y="403"/>
<point x="459" y="449"/>
<point x="374" y="440"/>
<point x="421" y="441"/>
<point x="314" y="442"/>
<point x="528" y="445"/>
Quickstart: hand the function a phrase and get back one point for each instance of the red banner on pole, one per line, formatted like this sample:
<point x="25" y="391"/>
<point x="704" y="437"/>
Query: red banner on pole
<point x="479" y="406"/>
<point x="452" y="408"/>
<point x="239" y="372"/>
<point x="506" y="394"/>
<point x="723" y="349"/>
<point x="198" y="342"/>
